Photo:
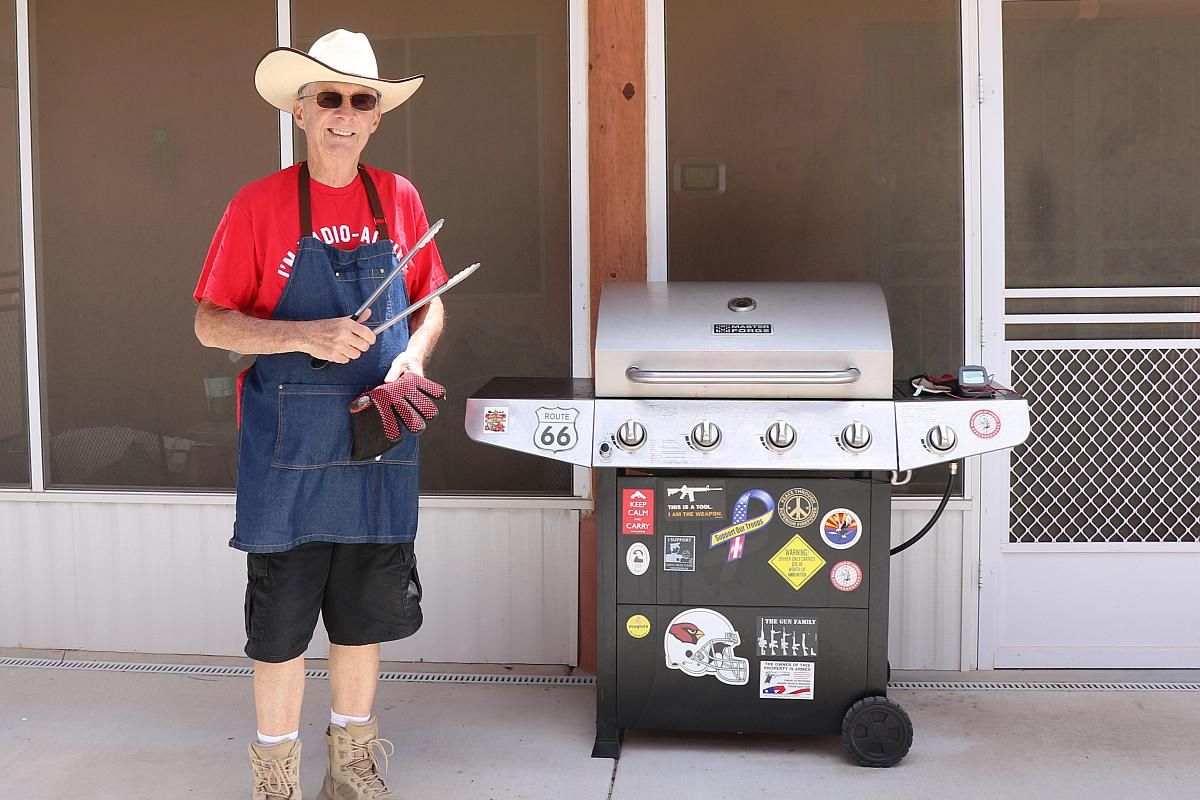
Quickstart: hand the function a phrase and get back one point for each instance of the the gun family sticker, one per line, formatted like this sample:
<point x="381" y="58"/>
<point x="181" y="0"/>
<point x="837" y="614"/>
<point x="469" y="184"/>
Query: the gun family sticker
<point x="637" y="512"/>
<point x="694" y="501"/>
<point x="743" y="523"/>
<point x="841" y="528"/>
<point x="797" y="562"/>
<point x="786" y="680"/>
<point x="495" y="419"/>
<point x="638" y="626"/>
<point x="846" y="576"/>
<point x="798" y="507"/>
<point x="787" y="637"/>
<point x="637" y="558"/>
<point x="555" y="431"/>
<point x="679" y="553"/>
<point x="701" y="642"/>
<point x="985" y="423"/>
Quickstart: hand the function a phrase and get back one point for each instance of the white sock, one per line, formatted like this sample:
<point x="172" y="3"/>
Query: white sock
<point x="342" y="720"/>
<point x="267" y="741"/>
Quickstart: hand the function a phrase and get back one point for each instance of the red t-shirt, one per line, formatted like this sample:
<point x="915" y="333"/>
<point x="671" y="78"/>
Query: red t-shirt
<point x="250" y="259"/>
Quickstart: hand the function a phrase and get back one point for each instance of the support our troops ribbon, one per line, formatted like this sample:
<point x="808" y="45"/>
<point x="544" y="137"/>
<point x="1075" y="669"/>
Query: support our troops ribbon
<point x="743" y="523"/>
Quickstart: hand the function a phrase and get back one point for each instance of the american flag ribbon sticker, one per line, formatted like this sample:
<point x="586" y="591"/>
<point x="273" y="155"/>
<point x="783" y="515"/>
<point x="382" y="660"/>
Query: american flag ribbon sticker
<point x="743" y="523"/>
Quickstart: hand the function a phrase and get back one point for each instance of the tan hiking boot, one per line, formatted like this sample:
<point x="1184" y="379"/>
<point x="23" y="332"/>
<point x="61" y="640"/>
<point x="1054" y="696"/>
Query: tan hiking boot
<point x="354" y="755"/>
<point x="276" y="770"/>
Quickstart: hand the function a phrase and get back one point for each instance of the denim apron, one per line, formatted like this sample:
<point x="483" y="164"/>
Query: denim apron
<point x="296" y="482"/>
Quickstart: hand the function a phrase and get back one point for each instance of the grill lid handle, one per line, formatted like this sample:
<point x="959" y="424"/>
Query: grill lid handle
<point x="847" y="375"/>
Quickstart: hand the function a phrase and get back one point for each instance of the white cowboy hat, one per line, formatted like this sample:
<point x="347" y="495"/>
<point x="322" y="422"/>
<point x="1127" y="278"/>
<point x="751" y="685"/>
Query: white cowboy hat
<point x="340" y="56"/>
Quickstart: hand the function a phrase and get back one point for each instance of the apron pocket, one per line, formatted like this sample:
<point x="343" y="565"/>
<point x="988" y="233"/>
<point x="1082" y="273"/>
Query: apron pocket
<point x="314" y="429"/>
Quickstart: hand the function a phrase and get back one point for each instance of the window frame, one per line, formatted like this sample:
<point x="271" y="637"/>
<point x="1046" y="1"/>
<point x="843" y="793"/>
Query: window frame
<point x="581" y="359"/>
<point x="971" y="95"/>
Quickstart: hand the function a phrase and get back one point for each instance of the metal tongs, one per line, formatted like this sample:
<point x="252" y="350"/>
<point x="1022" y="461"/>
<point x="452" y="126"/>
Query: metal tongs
<point x="455" y="280"/>
<point x="458" y="278"/>
<point x="318" y="363"/>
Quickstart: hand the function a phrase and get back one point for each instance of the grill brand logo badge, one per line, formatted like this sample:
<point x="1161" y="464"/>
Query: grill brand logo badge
<point x="637" y="512"/>
<point x="737" y="328"/>
<point x="556" y="429"/>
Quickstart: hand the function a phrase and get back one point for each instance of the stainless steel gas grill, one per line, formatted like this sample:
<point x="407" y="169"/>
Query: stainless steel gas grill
<point x="746" y="436"/>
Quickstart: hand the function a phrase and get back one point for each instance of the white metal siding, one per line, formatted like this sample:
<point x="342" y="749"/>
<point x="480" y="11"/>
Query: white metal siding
<point x="500" y="585"/>
<point x="926" y="616"/>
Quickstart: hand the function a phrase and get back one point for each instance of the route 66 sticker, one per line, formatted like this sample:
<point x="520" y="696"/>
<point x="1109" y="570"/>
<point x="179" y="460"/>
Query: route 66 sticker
<point x="556" y="430"/>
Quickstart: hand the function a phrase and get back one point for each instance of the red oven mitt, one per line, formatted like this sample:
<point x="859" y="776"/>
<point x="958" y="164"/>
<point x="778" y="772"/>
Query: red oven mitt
<point x="410" y="398"/>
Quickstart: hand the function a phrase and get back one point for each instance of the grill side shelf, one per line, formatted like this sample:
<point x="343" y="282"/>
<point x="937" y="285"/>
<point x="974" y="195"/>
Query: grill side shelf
<point x="547" y="417"/>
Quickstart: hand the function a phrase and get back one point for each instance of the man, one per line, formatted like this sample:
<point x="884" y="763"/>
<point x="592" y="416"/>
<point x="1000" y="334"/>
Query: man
<point x="293" y="257"/>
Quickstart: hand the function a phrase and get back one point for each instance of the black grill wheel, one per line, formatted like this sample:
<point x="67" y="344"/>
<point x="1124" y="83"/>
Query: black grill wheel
<point x="877" y="732"/>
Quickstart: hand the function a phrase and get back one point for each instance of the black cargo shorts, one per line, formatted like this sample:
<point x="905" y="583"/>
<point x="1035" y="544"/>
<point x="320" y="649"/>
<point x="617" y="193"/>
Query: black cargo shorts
<point x="366" y="593"/>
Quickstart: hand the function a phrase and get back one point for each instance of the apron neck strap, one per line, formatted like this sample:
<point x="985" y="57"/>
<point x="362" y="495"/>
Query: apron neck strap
<point x="373" y="199"/>
<point x="306" y="227"/>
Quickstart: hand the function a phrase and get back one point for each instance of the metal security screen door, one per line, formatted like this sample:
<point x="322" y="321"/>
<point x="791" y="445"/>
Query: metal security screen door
<point x="1091" y="256"/>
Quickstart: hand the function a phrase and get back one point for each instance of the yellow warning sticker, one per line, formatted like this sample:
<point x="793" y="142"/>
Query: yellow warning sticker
<point x="797" y="562"/>
<point x="638" y="626"/>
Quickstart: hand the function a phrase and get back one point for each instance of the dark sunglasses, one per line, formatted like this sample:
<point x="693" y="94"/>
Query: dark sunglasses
<point x="363" y="101"/>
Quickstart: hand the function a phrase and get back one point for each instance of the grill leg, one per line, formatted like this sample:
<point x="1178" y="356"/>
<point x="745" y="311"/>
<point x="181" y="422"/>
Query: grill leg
<point x="608" y="740"/>
<point x="608" y="735"/>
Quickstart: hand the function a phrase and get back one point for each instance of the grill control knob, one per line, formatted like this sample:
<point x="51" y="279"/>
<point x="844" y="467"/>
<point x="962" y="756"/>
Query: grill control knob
<point x="631" y="435"/>
<point x="941" y="438"/>
<point x="856" y="437"/>
<point x="780" y="436"/>
<point x="706" y="436"/>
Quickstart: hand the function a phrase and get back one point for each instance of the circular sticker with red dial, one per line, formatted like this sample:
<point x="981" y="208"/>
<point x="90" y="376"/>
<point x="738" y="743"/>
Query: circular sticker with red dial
<point x="846" y="576"/>
<point x="985" y="424"/>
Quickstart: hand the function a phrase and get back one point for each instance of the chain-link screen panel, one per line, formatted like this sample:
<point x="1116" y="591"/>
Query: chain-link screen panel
<point x="1112" y="454"/>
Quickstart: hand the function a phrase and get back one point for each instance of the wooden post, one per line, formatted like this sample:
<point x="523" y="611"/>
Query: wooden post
<point x="617" y="165"/>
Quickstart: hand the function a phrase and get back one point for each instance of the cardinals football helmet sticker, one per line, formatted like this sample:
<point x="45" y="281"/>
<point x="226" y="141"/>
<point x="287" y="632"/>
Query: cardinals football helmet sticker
<point x="700" y="642"/>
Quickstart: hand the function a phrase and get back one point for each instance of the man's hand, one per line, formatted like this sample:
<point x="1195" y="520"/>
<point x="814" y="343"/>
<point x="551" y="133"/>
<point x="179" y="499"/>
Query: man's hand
<point x="339" y="340"/>
<point x="405" y="362"/>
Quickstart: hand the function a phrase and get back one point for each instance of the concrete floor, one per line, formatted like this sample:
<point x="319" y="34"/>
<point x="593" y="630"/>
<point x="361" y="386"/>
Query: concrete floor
<point x="110" y="735"/>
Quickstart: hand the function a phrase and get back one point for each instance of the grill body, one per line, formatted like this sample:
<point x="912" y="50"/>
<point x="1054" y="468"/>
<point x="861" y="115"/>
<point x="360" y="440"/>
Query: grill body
<point x="840" y="636"/>
<point x="744" y="437"/>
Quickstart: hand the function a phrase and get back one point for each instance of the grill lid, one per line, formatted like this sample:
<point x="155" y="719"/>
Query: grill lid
<point x="768" y="340"/>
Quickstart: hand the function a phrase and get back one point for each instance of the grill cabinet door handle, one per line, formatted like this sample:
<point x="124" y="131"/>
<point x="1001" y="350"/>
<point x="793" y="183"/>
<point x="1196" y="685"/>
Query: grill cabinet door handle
<point x="847" y="375"/>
